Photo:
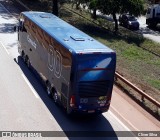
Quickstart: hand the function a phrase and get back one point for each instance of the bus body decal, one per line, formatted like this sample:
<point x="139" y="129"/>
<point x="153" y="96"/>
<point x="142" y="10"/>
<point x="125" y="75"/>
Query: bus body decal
<point x="58" y="64"/>
<point x="51" y="60"/>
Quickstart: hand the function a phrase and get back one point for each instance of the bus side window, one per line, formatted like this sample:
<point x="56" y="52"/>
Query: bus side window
<point x="21" y="26"/>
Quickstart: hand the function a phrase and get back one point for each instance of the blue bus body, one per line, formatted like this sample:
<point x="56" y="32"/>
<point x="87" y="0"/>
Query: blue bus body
<point x="77" y="69"/>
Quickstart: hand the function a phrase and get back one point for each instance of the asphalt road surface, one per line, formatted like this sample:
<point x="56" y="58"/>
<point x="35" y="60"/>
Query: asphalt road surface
<point x="25" y="106"/>
<point x="147" y="32"/>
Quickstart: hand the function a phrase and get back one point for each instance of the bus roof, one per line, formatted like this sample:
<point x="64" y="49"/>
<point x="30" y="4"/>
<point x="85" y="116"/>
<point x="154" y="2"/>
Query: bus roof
<point x="66" y="34"/>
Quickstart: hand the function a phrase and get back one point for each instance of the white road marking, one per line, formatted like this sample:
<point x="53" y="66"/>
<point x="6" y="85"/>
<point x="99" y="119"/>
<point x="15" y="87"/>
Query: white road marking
<point x="30" y="86"/>
<point x="122" y="124"/>
<point x="13" y="18"/>
<point x="125" y="119"/>
<point x="4" y="47"/>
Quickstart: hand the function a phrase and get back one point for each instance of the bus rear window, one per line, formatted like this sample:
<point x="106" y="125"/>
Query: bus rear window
<point x="95" y="62"/>
<point x="93" y="67"/>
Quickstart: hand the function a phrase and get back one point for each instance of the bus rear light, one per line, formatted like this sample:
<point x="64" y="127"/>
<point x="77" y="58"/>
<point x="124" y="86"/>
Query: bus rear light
<point x="108" y="101"/>
<point x="72" y="101"/>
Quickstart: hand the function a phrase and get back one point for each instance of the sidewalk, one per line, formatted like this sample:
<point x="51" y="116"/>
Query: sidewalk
<point x="131" y="114"/>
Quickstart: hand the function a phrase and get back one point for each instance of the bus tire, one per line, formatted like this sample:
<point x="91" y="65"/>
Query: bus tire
<point x="27" y="61"/>
<point x="48" y="87"/>
<point x="55" y="96"/>
<point x="23" y="56"/>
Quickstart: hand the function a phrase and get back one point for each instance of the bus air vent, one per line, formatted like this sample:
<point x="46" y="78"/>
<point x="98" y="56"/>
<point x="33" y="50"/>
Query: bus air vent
<point x="45" y="16"/>
<point x="77" y="38"/>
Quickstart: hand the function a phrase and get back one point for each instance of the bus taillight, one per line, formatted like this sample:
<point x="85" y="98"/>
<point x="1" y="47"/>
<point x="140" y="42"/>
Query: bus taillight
<point x="72" y="101"/>
<point x="108" y="101"/>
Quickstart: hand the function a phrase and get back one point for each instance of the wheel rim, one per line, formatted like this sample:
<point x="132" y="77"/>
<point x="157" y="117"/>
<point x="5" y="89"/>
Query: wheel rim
<point x="48" y="90"/>
<point x="28" y="63"/>
<point x="22" y="53"/>
<point x="23" y="56"/>
<point x="55" y="97"/>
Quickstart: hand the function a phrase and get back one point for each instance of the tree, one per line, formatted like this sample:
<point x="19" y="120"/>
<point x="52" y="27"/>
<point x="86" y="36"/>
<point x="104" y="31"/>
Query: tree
<point x="56" y="4"/>
<point x="113" y="7"/>
<point x="78" y="3"/>
<point x="55" y="7"/>
<point x="93" y="4"/>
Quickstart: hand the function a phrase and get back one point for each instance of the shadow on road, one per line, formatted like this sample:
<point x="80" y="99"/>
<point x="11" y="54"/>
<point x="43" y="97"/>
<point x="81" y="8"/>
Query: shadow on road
<point x="7" y="28"/>
<point x="9" y="6"/>
<point x="151" y="31"/>
<point x="68" y="123"/>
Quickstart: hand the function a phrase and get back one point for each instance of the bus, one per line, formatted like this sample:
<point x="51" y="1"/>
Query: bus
<point x="78" y="71"/>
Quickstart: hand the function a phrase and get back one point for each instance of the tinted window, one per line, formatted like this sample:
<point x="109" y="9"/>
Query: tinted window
<point x="93" y="67"/>
<point x="131" y="18"/>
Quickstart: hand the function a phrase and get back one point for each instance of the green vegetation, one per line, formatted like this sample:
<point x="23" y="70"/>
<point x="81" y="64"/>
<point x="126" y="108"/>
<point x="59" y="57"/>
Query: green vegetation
<point x="113" y="7"/>
<point x="155" y="83"/>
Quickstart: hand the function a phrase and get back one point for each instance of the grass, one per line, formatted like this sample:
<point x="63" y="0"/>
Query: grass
<point x="136" y="64"/>
<point x="155" y="83"/>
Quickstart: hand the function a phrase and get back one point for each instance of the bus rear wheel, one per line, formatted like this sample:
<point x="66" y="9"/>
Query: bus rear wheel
<point x="23" y="56"/>
<point x="48" y="86"/>
<point x="27" y="61"/>
<point x="55" y="96"/>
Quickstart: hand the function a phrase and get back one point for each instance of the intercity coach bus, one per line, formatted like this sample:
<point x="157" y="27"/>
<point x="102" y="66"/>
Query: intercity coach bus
<point x="77" y="70"/>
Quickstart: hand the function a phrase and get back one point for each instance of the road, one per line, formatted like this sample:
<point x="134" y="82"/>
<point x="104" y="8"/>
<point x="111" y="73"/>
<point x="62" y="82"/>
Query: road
<point x="24" y="105"/>
<point x="148" y="33"/>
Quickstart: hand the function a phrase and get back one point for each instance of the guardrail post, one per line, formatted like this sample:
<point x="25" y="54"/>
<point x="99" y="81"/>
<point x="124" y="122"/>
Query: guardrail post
<point x="115" y="78"/>
<point x="158" y="111"/>
<point x="142" y="98"/>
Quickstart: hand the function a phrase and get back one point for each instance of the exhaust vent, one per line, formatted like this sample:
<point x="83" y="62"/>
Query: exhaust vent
<point x="77" y="38"/>
<point x="45" y="16"/>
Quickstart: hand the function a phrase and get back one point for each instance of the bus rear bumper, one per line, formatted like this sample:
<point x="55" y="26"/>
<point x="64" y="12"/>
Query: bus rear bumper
<point x="91" y="110"/>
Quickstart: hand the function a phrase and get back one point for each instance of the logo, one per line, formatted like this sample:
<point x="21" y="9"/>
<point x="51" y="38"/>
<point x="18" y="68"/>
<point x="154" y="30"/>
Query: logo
<point x="20" y="134"/>
<point x="84" y="100"/>
<point x="101" y="98"/>
<point x="6" y="134"/>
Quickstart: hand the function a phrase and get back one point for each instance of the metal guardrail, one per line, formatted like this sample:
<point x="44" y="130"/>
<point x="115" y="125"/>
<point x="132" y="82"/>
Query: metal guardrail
<point x="143" y="94"/>
<point x="118" y="76"/>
